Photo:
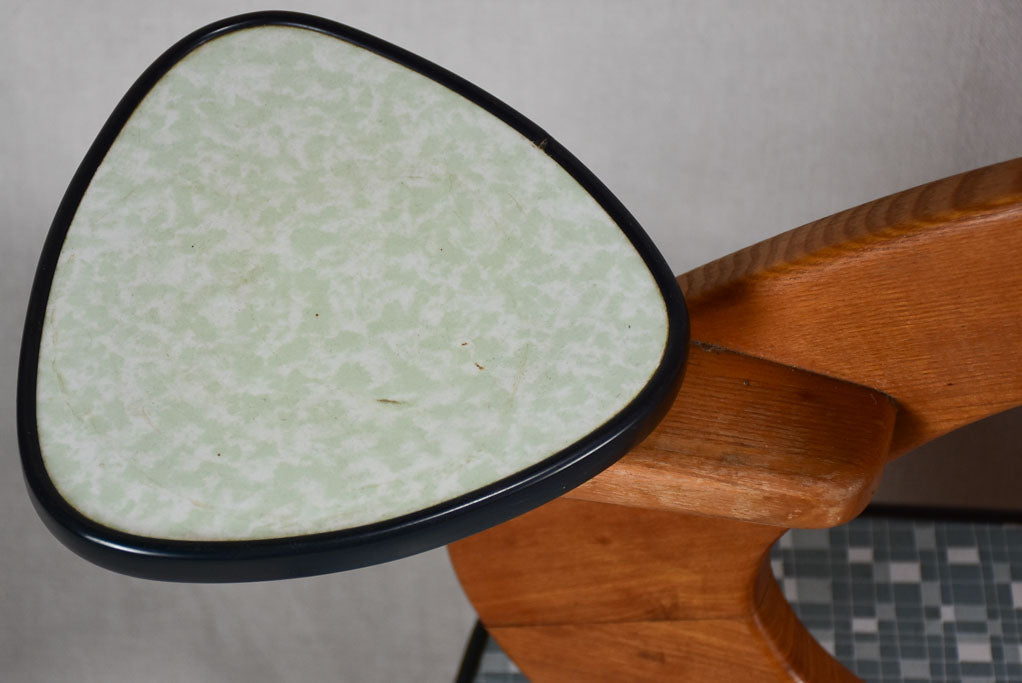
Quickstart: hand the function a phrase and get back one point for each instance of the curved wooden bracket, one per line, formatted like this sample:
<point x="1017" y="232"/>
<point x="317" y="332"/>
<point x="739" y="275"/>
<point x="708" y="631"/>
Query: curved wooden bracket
<point x="822" y="353"/>
<point x="918" y="295"/>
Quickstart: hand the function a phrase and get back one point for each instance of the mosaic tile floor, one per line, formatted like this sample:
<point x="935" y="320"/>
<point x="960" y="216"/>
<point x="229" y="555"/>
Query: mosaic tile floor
<point x="895" y="599"/>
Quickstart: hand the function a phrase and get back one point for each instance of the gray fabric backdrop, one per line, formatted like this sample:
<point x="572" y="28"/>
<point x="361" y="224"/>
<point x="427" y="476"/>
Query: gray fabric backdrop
<point x="717" y="124"/>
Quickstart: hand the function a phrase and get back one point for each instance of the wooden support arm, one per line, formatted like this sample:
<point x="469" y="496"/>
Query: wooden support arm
<point x="820" y="354"/>
<point x="918" y="295"/>
<point x="754" y="440"/>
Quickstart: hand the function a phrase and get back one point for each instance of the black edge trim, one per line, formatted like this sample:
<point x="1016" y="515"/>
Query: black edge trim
<point x="267" y="559"/>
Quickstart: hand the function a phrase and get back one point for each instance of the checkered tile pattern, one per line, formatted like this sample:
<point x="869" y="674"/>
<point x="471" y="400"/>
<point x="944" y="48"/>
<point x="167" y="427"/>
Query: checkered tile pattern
<point x="896" y="599"/>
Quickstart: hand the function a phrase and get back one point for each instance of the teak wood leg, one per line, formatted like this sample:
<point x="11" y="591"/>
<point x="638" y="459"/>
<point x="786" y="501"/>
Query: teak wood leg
<point x="824" y="352"/>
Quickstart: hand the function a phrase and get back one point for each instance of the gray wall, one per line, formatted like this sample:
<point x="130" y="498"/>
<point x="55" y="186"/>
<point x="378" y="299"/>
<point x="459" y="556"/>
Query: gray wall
<point x="717" y="124"/>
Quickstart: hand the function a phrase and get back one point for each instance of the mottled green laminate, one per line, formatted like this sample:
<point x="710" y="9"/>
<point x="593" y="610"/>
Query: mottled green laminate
<point x="310" y="289"/>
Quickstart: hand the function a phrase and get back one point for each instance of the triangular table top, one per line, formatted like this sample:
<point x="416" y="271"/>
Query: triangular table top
<point x="312" y="303"/>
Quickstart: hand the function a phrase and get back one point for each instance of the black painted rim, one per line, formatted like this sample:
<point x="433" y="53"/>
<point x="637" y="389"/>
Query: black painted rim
<point x="265" y="559"/>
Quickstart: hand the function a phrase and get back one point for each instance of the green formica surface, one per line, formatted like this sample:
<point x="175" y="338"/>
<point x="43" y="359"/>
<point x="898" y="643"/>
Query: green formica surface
<point x="310" y="289"/>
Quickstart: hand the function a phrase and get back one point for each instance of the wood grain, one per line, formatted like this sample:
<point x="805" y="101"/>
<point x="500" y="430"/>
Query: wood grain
<point x="918" y="295"/>
<point x="657" y="569"/>
<point x="657" y="651"/>
<point x="575" y="561"/>
<point x="754" y="440"/>
<point x="769" y="644"/>
<point x="586" y="591"/>
<point x="640" y="652"/>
